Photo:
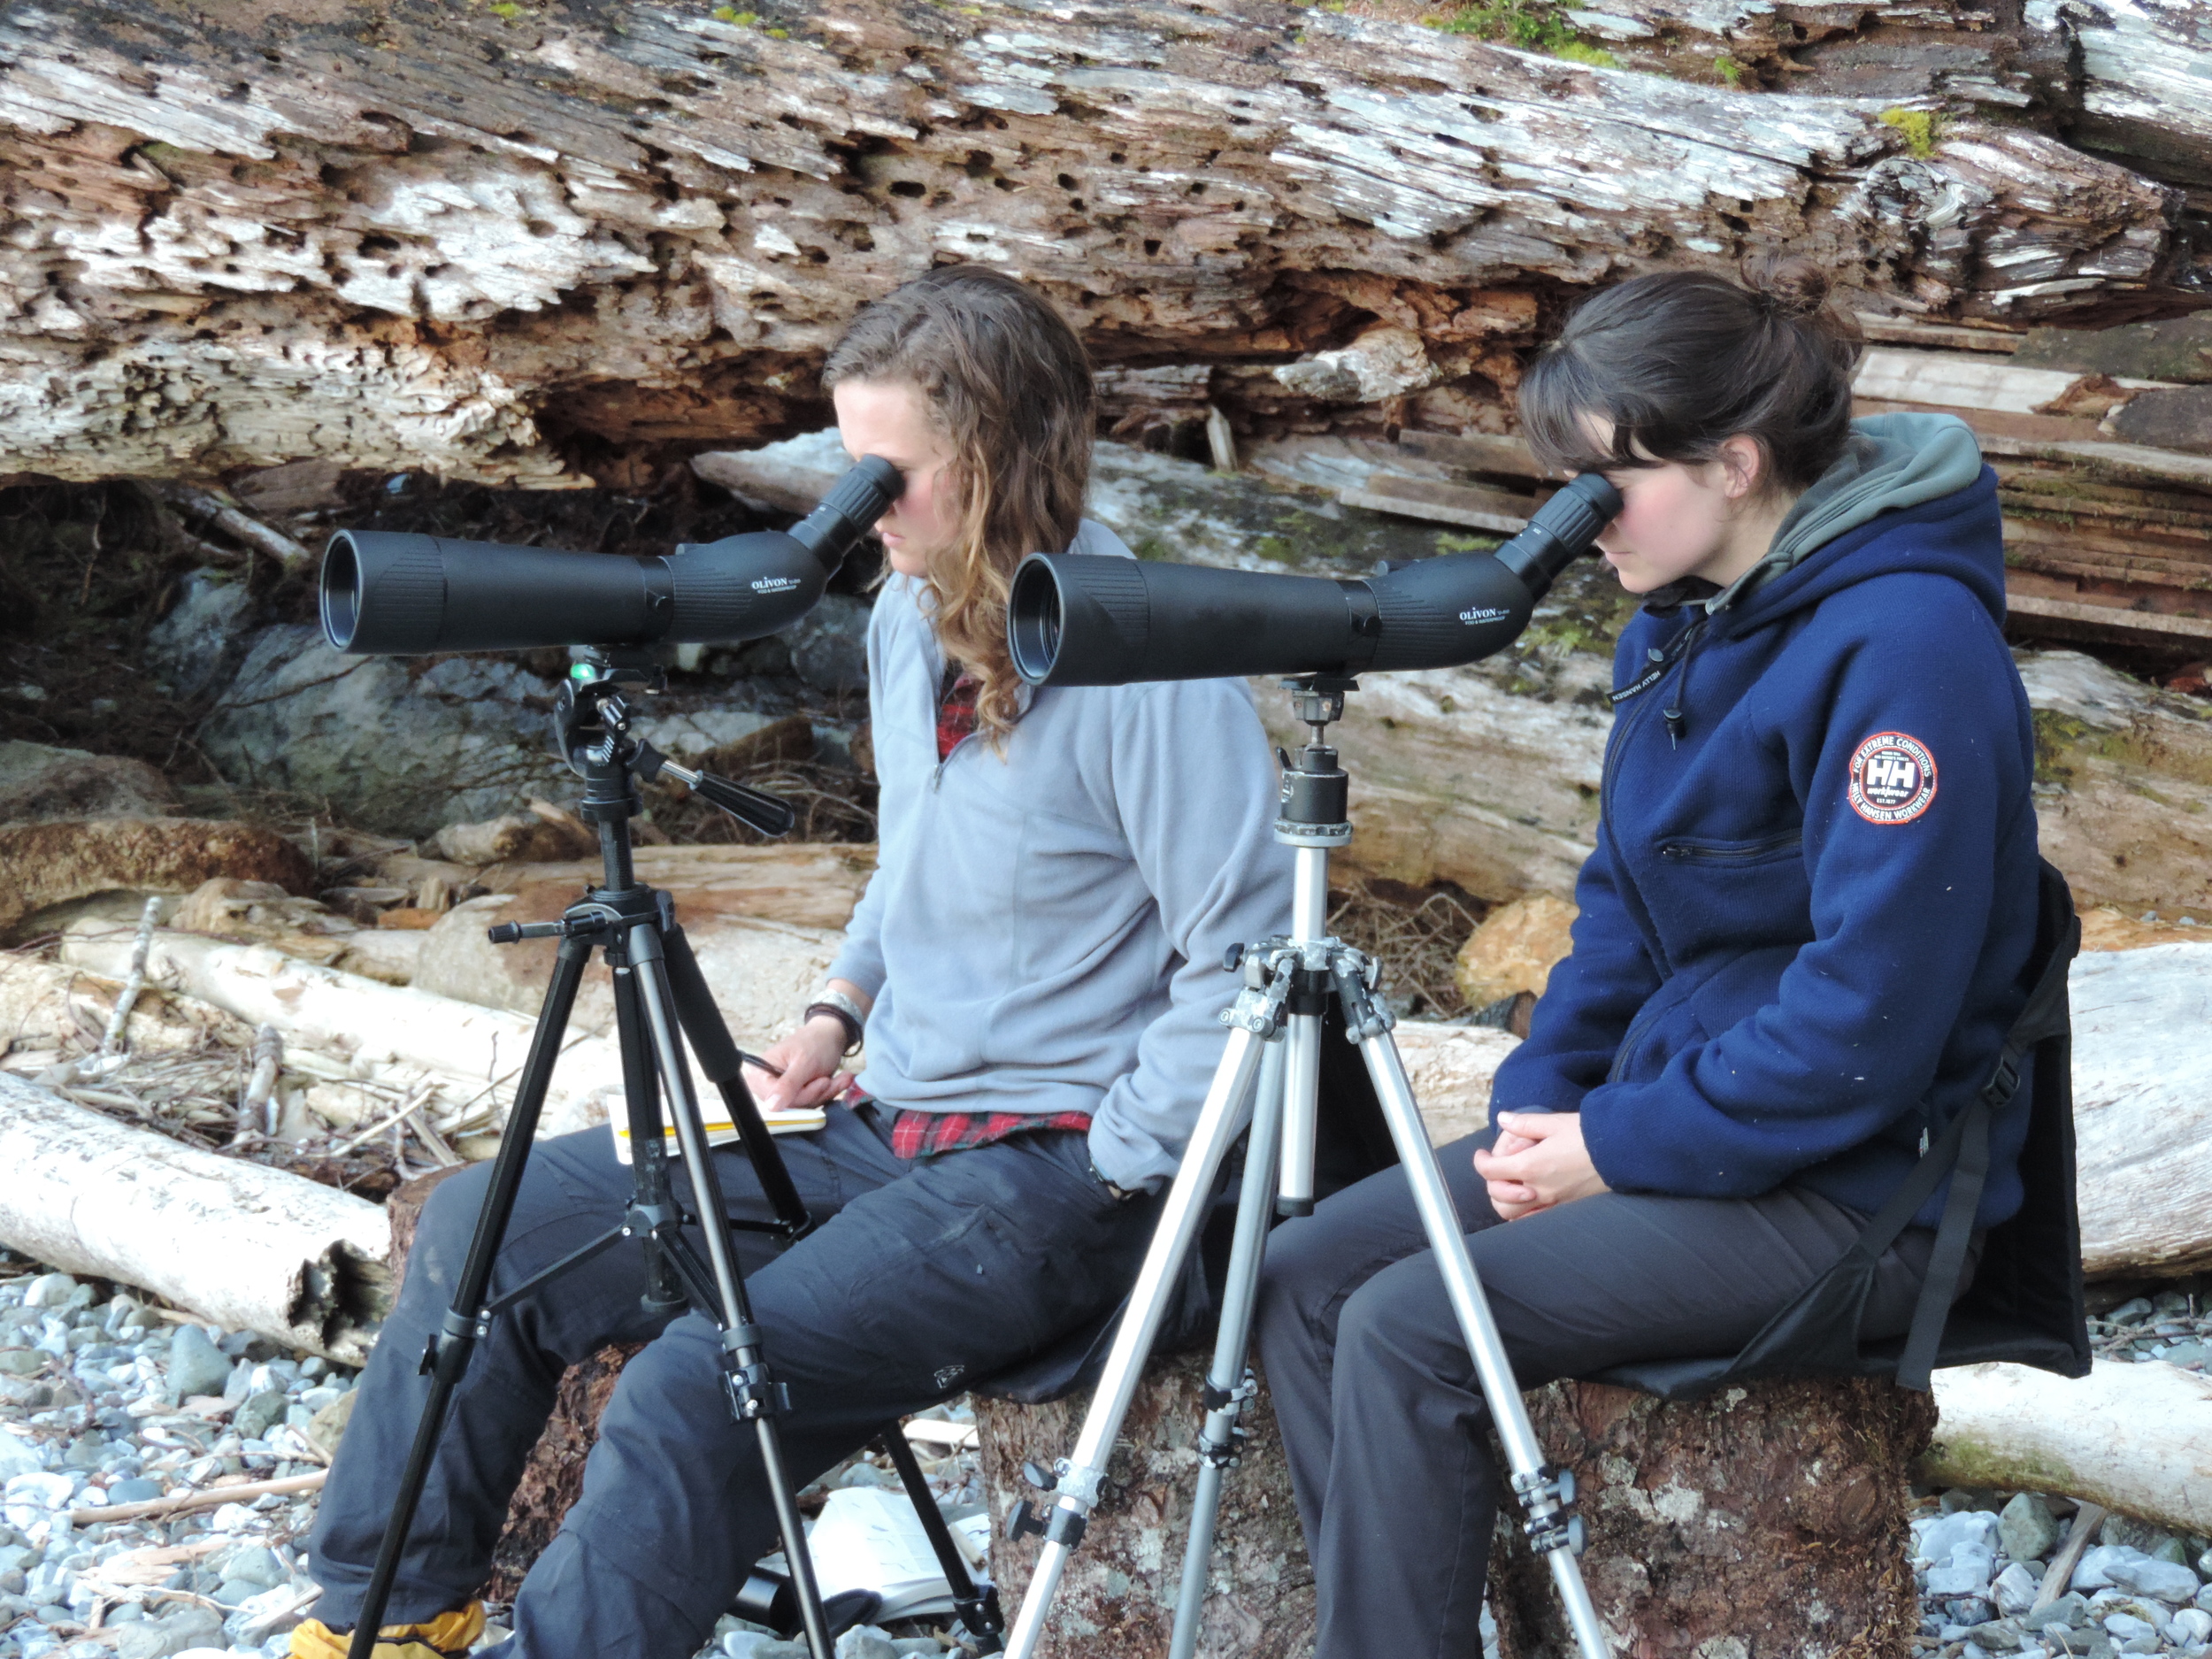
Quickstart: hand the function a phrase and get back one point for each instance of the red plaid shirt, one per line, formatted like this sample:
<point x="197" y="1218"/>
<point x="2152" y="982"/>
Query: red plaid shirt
<point x="931" y="1134"/>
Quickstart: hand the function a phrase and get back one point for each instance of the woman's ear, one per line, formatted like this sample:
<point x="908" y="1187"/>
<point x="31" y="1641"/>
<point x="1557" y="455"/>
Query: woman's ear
<point x="1744" y="466"/>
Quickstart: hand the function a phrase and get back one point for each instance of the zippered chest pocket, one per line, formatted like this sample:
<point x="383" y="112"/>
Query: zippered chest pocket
<point x="1695" y="850"/>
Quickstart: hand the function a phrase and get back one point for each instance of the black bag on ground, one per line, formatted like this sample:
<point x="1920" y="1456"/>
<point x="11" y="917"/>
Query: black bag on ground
<point x="2024" y="1303"/>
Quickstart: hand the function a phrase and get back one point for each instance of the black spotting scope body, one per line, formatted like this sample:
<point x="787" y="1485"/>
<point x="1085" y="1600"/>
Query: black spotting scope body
<point x="1078" y="619"/>
<point x="389" y="594"/>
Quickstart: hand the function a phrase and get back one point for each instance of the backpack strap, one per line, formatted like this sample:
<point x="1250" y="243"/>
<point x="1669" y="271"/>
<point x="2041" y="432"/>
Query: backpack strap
<point x="1963" y="1147"/>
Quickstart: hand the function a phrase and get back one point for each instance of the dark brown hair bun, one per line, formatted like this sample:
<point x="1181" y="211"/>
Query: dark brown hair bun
<point x="1668" y="367"/>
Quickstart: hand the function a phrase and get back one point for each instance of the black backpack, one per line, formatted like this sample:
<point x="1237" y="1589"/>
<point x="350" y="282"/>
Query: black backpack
<point x="2025" y="1303"/>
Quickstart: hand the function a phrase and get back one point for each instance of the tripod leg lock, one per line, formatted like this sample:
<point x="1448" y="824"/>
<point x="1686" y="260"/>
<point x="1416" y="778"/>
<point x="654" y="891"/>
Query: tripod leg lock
<point x="981" y="1616"/>
<point x="754" y="1393"/>
<point x="1546" y="1493"/>
<point x="1216" y="1399"/>
<point x="1222" y="1453"/>
<point x="1063" y="1524"/>
<point x="452" y="1342"/>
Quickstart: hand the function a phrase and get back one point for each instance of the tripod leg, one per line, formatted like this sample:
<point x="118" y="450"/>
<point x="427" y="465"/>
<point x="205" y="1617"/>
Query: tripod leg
<point x="1541" y="1494"/>
<point x="1226" y="1381"/>
<point x="447" y="1357"/>
<point x="978" y="1612"/>
<point x="753" y="1395"/>
<point x="710" y="1036"/>
<point x="1083" y="1472"/>
<point x="653" y="1204"/>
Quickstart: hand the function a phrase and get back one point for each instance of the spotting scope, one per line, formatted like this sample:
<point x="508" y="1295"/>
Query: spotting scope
<point x="389" y="594"/>
<point x="1078" y="619"/>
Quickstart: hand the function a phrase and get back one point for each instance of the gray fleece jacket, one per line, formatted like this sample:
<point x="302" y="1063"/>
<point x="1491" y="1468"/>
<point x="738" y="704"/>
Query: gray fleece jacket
<point x="1044" y="931"/>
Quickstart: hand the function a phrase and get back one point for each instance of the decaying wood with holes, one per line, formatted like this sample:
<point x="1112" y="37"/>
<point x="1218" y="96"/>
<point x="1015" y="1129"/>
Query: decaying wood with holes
<point x="552" y="245"/>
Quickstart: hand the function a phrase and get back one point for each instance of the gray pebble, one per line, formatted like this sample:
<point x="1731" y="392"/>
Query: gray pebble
<point x="2072" y="1609"/>
<point x="196" y="1366"/>
<point x="163" y="1636"/>
<point x="866" y="1641"/>
<point x="256" y="1563"/>
<point x="259" y="1414"/>
<point x="2026" y="1528"/>
<point x="135" y="1490"/>
<point x="48" y="1290"/>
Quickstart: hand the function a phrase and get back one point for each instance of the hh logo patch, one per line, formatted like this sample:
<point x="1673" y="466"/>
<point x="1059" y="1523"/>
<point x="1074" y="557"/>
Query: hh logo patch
<point x="1892" y="779"/>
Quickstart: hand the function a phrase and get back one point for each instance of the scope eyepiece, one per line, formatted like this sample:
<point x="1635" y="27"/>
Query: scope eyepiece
<point x="1078" y="619"/>
<point x="384" y="593"/>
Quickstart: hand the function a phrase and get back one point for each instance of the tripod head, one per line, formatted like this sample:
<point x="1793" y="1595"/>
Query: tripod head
<point x="1316" y="791"/>
<point x="592" y="733"/>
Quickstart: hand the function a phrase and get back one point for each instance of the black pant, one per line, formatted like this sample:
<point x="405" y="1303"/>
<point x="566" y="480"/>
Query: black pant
<point x="1381" y="1416"/>
<point x="924" y="1279"/>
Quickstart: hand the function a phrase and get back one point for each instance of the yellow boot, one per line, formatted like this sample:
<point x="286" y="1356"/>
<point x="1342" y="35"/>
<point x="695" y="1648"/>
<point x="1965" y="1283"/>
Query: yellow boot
<point x="447" y="1636"/>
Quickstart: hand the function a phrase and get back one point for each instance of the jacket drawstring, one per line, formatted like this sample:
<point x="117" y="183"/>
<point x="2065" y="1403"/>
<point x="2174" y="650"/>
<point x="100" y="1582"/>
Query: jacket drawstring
<point x="1677" y="720"/>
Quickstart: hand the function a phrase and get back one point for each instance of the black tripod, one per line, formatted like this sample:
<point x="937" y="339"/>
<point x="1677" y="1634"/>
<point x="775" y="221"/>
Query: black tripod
<point x="658" y="990"/>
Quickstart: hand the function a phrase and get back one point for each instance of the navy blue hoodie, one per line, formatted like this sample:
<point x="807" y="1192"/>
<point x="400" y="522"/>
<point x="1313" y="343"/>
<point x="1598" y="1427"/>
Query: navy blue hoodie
<point x="1803" y="931"/>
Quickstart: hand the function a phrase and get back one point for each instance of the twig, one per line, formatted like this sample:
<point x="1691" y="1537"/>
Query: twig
<point x="414" y="1098"/>
<point x="137" y="981"/>
<point x="2088" y="1518"/>
<point x="259" y="1097"/>
<point x="209" y="508"/>
<point x="204" y="1499"/>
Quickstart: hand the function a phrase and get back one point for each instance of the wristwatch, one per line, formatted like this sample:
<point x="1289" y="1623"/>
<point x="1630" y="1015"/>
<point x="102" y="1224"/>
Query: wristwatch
<point x="1122" y="1194"/>
<point x="848" y="1013"/>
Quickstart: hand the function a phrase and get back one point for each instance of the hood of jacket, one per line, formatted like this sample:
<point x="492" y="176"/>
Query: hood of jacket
<point x="1891" y="462"/>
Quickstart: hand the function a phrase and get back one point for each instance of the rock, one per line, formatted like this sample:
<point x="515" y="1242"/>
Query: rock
<point x="196" y="1366"/>
<point x="2026" y="1528"/>
<point x="2146" y="1575"/>
<point x="866" y="1641"/>
<point x="198" y="645"/>
<point x="1994" y="1637"/>
<point x="2070" y="1609"/>
<point x="259" y="1414"/>
<point x="1515" y="949"/>
<point x="137" y="1489"/>
<point x="49" y="1290"/>
<point x="38" y="784"/>
<point x="542" y="833"/>
<point x="43" y="864"/>
<point x="2127" y="1627"/>
<point x="328" y="1425"/>
<point x="2015" y="1590"/>
<point x="2192" y="1625"/>
<point x="392" y="746"/>
<point x="185" y="1628"/>
<point x="1965" y="1573"/>
<point x="1935" y="1541"/>
<point x="2125" y="775"/>
<point x="829" y="645"/>
<point x="17" y="1458"/>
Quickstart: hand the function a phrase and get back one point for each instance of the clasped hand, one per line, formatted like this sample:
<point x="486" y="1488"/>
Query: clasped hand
<point x="1537" y="1162"/>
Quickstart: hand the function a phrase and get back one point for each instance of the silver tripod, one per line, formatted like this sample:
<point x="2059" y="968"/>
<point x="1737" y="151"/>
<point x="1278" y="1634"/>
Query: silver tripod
<point x="1271" y="1065"/>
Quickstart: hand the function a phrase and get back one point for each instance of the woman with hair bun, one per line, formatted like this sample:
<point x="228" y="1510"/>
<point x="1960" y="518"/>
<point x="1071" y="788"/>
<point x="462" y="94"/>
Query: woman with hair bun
<point x="1036" y="964"/>
<point x="1803" y="939"/>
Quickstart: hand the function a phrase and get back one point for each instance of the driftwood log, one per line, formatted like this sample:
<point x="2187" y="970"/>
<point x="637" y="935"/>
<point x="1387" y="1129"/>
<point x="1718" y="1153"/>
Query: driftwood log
<point x="2131" y="1437"/>
<point x="249" y="1248"/>
<point x="550" y="244"/>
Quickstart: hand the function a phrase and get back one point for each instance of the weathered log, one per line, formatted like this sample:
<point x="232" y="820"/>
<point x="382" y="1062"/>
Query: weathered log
<point x="45" y="1006"/>
<point x="1772" y="1518"/>
<point x="541" y="245"/>
<point x="2133" y="1437"/>
<point x="474" y="1053"/>
<point x="248" y="1246"/>
<point x="2143" y="1108"/>
<point x="47" y="863"/>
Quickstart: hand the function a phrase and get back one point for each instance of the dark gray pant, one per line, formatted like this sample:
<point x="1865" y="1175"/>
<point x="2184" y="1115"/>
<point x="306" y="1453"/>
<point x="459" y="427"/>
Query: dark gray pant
<point x="924" y="1278"/>
<point x="1382" y="1419"/>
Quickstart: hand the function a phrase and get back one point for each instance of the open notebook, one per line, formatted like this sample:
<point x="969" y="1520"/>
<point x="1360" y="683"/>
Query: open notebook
<point x="869" y="1538"/>
<point x="720" y="1130"/>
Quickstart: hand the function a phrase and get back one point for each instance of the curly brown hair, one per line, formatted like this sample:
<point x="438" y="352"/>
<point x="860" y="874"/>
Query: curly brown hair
<point x="1006" y="383"/>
